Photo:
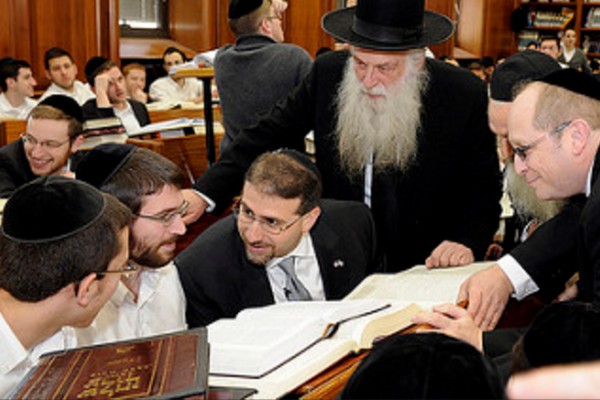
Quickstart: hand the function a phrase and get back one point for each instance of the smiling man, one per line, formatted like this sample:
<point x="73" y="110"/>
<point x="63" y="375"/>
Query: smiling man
<point x="53" y="134"/>
<point x="282" y="244"/>
<point x="406" y="135"/>
<point x="150" y="301"/>
<point x="17" y="84"/>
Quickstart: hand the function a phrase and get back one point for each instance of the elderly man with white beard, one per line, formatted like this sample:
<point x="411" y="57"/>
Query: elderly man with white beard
<point x="406" y="135"/>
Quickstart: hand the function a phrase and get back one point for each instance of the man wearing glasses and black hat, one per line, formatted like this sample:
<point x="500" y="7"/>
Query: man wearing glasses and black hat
<point x="53" y="134"/>
<point x="149" y="301"/>
<point x="406" y="135"/>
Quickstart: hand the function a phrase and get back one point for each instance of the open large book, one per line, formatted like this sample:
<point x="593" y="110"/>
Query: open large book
<point x="277" y="348"/>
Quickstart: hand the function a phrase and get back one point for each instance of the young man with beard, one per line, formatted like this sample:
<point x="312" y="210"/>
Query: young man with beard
<point x="17" y="83"/>
<point x="53" y="134"/>
<point x="151" y="301"/>
<point x="62" y="72"/>
<point x="259" y="63"/>
<point x="242" y="261"/>
<point x="63" y="246"/>
<point x="405" y="134"/>
<point x="108" y="82"/>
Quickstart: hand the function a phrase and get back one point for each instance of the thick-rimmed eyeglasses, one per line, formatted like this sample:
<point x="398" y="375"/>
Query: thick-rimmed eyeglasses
<point x="269" y="225"/>
<point x="49" y="144"/>
<point x="521" y="152"/>
<point x="126" y="270"/>
<point x="168" y="218"/>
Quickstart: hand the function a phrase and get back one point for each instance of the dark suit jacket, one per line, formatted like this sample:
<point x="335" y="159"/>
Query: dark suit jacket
<point x="91" y="111"/>
<point x="451" y="192"/>
<point x="14" y="168"/>
<point x="219" y="281"/>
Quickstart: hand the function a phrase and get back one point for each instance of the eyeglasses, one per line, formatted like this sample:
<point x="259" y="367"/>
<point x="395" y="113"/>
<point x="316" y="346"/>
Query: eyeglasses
<point x="50" y="144"/>
<point x="269" y="225"/>
<point x="168" y="218"/>
<point x="126" y="270"/>
<point x="274" y="17"/>
<point x="522" y="151"/>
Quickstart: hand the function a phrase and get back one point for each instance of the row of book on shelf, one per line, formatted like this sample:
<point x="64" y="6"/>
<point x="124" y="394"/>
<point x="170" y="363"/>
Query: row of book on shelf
<point x="267" y="351"/>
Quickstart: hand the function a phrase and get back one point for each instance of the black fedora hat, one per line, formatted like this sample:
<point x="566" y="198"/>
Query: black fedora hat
<point x="388" y="25"/>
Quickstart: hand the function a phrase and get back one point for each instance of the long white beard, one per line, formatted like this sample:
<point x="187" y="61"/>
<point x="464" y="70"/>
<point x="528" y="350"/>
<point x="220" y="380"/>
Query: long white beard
<point x="385" y="128"/>
<point x="524" y="200"/>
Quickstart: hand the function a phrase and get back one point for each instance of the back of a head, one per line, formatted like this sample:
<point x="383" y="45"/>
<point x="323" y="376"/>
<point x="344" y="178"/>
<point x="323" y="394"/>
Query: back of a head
<point x="424" y="366"/>
<point x="288" y="174"/>
<point x="55" y="231"/>
<point x="127" y="172"/>
<point x="526" y="66"/>
<point x="245" y="16"/>
<point x="562" y="333"/>
<point x="55" y="52"/>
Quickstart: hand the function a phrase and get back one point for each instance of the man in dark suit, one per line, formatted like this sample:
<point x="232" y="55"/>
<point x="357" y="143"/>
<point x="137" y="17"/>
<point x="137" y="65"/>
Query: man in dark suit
<point x="554" y="128"/>
<point x="53" y="134"/>
<point x="239" y="262"/>
<point x="108" y="83"/>
<point x="406" y="135"/>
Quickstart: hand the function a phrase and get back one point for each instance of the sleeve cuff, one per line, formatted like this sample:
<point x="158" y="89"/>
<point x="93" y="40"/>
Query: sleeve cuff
<point x="521" y="281"/>
<point x="211" y="203"/>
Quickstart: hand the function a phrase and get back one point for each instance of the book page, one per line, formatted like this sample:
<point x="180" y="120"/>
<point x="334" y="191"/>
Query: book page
<point x="261" y="339"/>
<point x="425" y="287"/>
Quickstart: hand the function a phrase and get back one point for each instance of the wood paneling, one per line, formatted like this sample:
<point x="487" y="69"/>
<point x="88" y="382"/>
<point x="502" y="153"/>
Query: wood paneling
<point x="469" y="35"/>
<point x="444" y="7"/>
<point x="83" y="27"/>
<point x="194" y="23"/>
<point x="302" y="24"/>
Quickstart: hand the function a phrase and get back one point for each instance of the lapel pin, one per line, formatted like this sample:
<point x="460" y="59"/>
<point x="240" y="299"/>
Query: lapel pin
<point x="338" y="264"/>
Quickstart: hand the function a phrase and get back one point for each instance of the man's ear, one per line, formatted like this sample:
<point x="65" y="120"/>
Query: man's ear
<point x="310" y="218"/>
<point x="265" y="27"/>
<point x="579" y="135"/>
<point x="86" y="290"/>
<point x="48" y="75"/>
<point x="10" y="82"/>
<point x="77" y="143"/>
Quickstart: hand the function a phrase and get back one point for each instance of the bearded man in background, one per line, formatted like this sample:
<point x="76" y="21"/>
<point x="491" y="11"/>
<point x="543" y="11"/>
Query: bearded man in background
<point x="406" y="135"/>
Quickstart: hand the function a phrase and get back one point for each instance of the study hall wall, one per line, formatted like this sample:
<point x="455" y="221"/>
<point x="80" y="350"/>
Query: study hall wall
<point x="85" y="27"/>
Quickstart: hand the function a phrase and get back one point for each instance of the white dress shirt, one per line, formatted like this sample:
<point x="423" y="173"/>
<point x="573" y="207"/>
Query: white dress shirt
<point x="167" y="90"/>
<point x="160" y="308"/>
<point x="306" y="267"/>
<point x="81" y="92"/>
<point x="16" y="361"/>
<point x="21" y="112"/>
<point x="523" y="283"/>
<point x="128" y="118"/>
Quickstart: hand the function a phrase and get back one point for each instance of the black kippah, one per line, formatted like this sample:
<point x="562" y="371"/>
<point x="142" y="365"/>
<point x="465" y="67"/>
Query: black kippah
<point x="301" y="158"/>
<point x="525" y="66"/>
<point x="562" y="333"/>
<point x="574" y="81"/>
<point x="239" y="8"/>
<point x="51" y="208"/>
<point x="66" y="104"/>
<point x="102" y="162"/>
<point x="92" y="67"/>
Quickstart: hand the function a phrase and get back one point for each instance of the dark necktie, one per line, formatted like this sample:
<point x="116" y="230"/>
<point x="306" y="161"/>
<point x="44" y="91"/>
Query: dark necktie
<point x="294" y="289"/>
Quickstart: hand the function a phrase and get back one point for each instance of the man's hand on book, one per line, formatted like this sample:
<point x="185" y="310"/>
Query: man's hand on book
<point x="454" y="321"/>
<point x="450" y="254"/>
<point x="488" y="292"/>
<point x="196" y="208"/>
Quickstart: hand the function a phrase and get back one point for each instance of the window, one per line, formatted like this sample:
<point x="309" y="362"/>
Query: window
<point x="144" y="18"/>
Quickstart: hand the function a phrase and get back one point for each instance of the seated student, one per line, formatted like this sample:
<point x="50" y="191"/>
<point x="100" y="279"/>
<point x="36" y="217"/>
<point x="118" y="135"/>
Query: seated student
<point x="169" y="89"/>
<point x="280" y="223"/>
<point x="135" y="82"/>
<point x="17" y="83"/>
<point x="427" y="366"/>
<point x="62" y="72"/>
<point x="107" y="81"/>
<point x="53" y="134"/>
<point x="150" y="301"/>
<point x="63" y="246"/>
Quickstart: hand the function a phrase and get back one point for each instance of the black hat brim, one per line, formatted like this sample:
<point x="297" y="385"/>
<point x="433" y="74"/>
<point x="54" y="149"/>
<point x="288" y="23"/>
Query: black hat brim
<point x="437" y="28"/>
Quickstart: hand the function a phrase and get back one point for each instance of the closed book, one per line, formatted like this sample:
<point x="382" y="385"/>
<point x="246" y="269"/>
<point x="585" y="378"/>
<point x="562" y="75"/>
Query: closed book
<point x="160" y="367"/>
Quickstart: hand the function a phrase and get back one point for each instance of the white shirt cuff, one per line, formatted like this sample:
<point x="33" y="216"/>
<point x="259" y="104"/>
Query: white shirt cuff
<point x="211" y="203"/>
<point x="521" y="281"/>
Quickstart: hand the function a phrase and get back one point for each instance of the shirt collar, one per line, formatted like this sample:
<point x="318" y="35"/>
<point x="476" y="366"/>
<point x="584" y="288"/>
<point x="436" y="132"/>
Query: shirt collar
<point x="302" y="250"/>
